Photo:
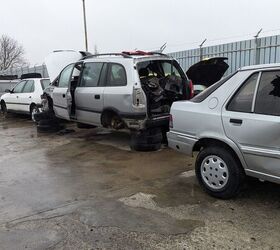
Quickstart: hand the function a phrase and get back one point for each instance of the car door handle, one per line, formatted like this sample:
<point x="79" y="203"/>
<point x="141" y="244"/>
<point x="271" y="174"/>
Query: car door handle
<point x="63" y="95"/>
<point x="97" y="97"/>
<point x="235" y="121"/>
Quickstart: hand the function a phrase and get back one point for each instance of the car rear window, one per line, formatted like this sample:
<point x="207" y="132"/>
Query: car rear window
<point x="45" y="83"/>
<point x="204" y="94"/>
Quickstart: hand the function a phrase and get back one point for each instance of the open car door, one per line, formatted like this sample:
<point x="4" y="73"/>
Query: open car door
<point x="61" y="69"/>
<point x="62" y="99"/>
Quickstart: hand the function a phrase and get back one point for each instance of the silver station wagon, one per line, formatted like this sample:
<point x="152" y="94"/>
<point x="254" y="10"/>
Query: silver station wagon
<point x="235" y="127"/>
<point x="128" y="90"/>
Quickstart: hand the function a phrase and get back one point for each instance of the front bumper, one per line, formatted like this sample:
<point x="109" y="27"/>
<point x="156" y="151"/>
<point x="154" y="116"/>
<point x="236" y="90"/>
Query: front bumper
<point x="181" y="142"/>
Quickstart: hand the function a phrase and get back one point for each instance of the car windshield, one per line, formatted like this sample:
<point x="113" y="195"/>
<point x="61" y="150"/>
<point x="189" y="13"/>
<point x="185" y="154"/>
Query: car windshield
<point x="45" y="83"/>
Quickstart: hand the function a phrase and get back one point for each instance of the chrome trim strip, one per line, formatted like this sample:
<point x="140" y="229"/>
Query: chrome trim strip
<point x="183" y="135"/>
<point x="264" y="174"/>
<point x="260" y="151"/>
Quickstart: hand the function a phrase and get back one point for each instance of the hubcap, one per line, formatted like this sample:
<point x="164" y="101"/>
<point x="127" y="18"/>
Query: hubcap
<point x="214" y="172"/>
<point x="34" y="111"/>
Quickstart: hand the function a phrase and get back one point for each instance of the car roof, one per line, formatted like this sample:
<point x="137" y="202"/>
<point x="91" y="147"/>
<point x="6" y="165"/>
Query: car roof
<point x="33" y="79"/>
<point x="116" y="57"/>
<point x="260" y="66"/>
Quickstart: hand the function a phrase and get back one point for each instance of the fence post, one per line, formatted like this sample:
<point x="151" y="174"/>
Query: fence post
<point x="201" y="49"/>
<point x="257" y="47"/>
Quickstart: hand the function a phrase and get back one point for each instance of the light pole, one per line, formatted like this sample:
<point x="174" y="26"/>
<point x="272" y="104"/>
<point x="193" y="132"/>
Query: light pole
<point x="85" y="24"/>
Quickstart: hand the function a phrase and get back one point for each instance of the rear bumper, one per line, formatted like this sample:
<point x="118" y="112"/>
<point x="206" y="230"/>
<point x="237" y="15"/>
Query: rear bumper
<point x="160" y="121"/>
<point x="181" y="142"/>
<point x="142" y="124"/>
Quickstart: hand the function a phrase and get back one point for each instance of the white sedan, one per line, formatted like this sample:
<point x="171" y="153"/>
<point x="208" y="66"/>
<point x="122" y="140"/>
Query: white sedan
<point x="24" y="97"/>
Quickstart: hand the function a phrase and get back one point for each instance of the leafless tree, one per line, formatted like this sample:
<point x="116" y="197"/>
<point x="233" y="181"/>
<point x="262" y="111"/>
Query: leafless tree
<point x="11" y="53"/>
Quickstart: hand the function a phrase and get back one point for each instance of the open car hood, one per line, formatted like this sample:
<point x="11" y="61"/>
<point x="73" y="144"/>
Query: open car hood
<point x="58" y="60"/>
<point x="208" y="71"/>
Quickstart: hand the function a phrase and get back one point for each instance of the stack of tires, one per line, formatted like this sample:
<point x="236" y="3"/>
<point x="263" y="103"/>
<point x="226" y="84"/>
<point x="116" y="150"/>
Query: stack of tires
<point x="47" y="123"/>
<point x="146" y="140"/>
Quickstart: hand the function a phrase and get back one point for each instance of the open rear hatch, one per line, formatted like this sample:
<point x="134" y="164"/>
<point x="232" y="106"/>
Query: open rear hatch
<point x="58" y="60"/>
<point x="207" y="71"/>
<point x="163" y="82"/>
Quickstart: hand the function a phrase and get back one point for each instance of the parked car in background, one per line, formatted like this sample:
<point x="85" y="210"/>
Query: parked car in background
<point x="131" y="90"/>
<point x="234" y="125"/>
<point x="25" y="96"/>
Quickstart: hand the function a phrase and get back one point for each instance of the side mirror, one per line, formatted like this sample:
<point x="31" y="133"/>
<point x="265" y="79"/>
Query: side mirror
<point x="7" y="91"/>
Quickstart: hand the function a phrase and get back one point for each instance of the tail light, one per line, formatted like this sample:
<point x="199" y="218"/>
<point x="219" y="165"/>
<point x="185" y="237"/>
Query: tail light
<point x="170" y="121"/>
<point x="138" y="98"/>
<point x="191" y="89"/>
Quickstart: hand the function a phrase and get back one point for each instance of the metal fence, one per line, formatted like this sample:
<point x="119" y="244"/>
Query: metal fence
<point x="239" y="54"/>
<point x="243" y="53"/>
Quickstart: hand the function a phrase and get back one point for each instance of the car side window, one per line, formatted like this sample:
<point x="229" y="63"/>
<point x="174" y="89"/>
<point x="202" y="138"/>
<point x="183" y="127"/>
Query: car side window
<point x="268" y="95"/>
<point x="65" y="76"/>
<point x="29" y="87"/>
<point x="19" y="87"/>
<point x="116" y="75"/>
<point x="242" y="100"/>
<point x="91" y="74"/>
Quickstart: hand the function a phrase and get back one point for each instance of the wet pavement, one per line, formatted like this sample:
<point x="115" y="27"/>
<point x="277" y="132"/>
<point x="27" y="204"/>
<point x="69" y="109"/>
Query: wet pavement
<point x="88" y="190"/>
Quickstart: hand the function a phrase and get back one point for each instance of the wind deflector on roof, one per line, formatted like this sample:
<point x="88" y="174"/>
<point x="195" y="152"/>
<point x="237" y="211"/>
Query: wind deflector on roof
<point x="31" y="75"/>
<point x="208" y="71"/>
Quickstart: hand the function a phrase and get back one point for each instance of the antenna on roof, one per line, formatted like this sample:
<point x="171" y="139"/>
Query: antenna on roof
<point x="161" y="49"/>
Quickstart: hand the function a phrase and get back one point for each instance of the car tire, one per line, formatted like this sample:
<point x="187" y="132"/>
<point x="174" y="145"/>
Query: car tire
<point x="3" y="107"/>
<point x="219" y="172"/>
<point x="33" y="110"/>
<point x="48" y="125"/>
<point x="147" y="140"/>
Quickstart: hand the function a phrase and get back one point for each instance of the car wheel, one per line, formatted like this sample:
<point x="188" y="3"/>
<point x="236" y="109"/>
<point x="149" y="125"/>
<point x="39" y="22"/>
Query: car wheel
<point x="147" y="140"/>
<point x="33" y="110"/>
<point x="219" y="172"/>
<point x="3" y="107"/>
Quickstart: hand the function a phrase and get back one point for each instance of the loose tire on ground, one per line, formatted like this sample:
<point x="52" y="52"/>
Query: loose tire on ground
<point x="147" y="140"/>
<point x="48" y="126"/>
<point x="219" y="172"/>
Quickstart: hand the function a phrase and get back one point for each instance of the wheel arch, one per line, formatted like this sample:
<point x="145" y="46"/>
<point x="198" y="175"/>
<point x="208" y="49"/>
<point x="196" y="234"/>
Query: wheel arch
<point x="107" y="114"/>
<point x="229" y="145"/>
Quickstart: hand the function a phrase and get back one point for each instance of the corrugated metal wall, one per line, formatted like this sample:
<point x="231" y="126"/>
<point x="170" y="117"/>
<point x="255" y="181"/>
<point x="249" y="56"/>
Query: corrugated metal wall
<point x="242" y="53"/>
